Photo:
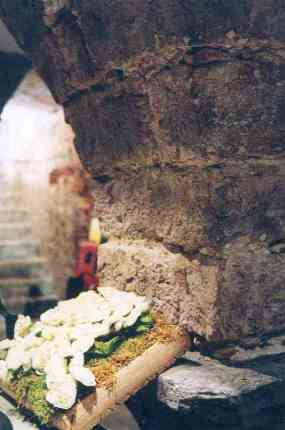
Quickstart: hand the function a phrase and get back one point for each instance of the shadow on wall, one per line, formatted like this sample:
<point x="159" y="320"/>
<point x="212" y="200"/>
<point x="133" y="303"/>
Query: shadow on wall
<point x="13" y="68"/>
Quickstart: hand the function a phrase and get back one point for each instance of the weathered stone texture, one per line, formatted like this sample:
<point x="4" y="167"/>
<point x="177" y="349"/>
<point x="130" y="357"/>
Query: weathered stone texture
<point x="149" y="269"/>
<point x="178" y="109"/>
<point x="220" y="396"/>
<point x="198" y="210"/>
<point x="239" y="294"/>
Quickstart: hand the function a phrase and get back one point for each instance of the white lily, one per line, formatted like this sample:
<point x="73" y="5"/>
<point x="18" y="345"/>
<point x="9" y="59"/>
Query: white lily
<point x="56" y="370"/>
<point x="18" y="357"/>
<point x="131" y="319"/>
<point x="7" y="344"/>
<point x="53" y="317"/>
<point x="31" y="341"/>
<point x="3" y="371"/>
<point x="82" y="344"/>
<point x="23" y="326"/>
<point x="41" y="356"/>
<point x="80" y="373"/>
<point x="63" y="394"/>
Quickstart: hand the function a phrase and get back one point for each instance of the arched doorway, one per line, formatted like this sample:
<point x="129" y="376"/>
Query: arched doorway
<point x="45" y="203"/>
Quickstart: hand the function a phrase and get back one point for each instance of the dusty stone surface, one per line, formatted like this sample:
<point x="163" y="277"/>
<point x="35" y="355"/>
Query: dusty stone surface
<point x="197" y="294"/>
<point x="178" y="109"/>
<point x="149" y="270"/>
<point x="219" y="394"/>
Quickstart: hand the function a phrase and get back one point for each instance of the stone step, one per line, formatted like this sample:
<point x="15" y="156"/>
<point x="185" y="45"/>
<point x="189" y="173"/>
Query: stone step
<point x="10" y="231"/>
<point x="19" y="283"/>
<point x="30" y="268"/>
<point x="11" y="250"/>
<point x="13" y="214"/>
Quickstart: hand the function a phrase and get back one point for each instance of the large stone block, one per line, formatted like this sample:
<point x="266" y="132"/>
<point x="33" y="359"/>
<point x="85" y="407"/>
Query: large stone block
<point x="240" y="294"/>
<point x="148" y="269"/>
<point x="192" y="107"/>
<point x="195" y="210"/>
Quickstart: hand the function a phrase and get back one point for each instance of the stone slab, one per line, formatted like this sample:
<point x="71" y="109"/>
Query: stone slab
<point x="221" y="394"/>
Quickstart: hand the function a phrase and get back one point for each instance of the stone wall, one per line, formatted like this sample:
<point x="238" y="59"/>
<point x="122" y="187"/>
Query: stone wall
<point x="178" y="111"/>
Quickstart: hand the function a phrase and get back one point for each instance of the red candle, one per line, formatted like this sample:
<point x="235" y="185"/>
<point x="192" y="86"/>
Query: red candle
<point x="87" y="265"/>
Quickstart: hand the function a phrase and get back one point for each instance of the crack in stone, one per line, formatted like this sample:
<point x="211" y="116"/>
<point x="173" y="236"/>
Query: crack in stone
<point x="188" y="57"/>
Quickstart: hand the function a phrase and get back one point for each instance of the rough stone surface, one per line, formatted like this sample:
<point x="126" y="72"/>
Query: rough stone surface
<point x="149" y="270"/>
<point x="223" y="395"/>
<point x="178" y="109"/>
<point x="249" y="349"/>
<point x="198" y="294"/>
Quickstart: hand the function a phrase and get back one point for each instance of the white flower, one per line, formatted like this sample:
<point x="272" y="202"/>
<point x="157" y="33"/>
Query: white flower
<point x="22" y="326"/>
<point x="122" y="308"/>
<point x="56" y="370"/>
<point x="41" y="356"/>
<point x="131" y="319"/>
<point x="31" y="341"/>
<point x="62" y="389"/>
<point x="101" y="329"/>
<point x="119" y="325"/>
<point x="80" y="373"/>
<point x="63" y="346"/>
<point x="18" y="357"/>
<point x="53" y="317"/>
<point x="82" y="344"/>
<point x="62" y="395"/>
<point x="90" y="297"/>
<point x="3" y="371"/>
<point x="48" y="332"/>
<point x="69" y="331"/>
<point x="7" y="344"/>
<point x="143" y="304"/>
<point x="90" y="330"/>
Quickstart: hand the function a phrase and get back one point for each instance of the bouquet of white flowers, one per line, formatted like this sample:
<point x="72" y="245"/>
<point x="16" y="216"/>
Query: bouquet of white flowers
<point x="53" y="363"/>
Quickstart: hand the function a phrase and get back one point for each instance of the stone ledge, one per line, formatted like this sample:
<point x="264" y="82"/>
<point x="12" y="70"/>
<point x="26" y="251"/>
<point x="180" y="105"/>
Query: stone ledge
<point x="249" y="350"/>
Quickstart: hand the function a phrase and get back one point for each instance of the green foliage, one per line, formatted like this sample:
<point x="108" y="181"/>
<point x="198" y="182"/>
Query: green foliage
<point x="144" y="324"/>
<point x="104" y="348"/>
<point x="30" y="388"/>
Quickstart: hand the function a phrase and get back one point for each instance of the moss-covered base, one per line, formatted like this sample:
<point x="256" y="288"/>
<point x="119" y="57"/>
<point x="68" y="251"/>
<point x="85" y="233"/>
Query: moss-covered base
<point x="29" y="388"/>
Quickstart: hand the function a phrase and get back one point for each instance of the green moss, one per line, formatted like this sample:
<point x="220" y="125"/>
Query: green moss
<point x="105" y="369"/>
<point x="30" y="389"/>
<point x="36" y="397"/>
